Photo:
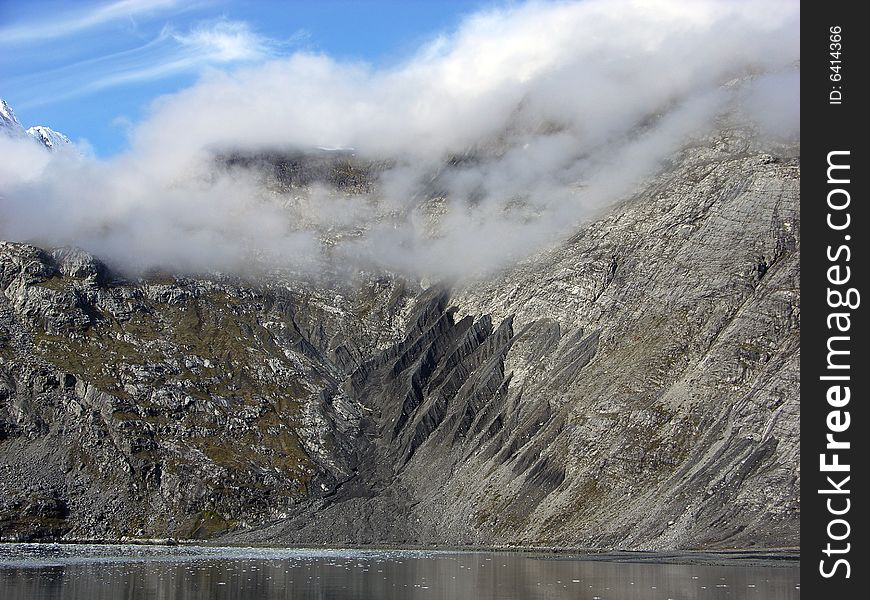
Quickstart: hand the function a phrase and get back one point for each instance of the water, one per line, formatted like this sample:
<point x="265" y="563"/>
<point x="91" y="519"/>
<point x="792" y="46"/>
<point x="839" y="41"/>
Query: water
<point x="97" y="572"/>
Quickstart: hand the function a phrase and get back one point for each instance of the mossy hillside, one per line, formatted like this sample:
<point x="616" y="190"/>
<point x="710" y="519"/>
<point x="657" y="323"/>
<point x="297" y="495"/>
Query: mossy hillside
<point x="215" y="339"/>
<point x="206" y="374"/>
<point x="206" y="524"/>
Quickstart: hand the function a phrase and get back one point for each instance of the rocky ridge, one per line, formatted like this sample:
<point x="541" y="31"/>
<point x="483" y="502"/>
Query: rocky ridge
<point x="633" y="387"/>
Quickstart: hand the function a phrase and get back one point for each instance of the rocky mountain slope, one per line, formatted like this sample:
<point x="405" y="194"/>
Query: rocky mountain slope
<point x="635" y="386"/>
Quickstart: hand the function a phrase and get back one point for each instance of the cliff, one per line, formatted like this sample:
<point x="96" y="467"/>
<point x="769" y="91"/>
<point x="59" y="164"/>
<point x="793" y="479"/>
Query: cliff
<point x="634" y="386"/>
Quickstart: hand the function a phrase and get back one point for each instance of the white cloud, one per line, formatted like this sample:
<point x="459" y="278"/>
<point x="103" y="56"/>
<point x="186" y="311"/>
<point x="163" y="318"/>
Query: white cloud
<point x="559" y="108"/>
<point x="21" y="161"/>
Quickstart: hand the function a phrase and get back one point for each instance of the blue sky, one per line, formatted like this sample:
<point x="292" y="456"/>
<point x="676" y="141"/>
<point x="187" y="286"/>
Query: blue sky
<point x="89" y="69"/>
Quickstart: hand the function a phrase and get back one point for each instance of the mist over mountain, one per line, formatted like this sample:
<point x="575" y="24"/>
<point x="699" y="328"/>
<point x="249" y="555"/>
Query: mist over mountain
<point x="519" y="125"/>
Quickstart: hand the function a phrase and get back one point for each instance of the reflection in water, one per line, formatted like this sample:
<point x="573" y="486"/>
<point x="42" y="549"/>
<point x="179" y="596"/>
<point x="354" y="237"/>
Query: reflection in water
<point x="98" y="572"/>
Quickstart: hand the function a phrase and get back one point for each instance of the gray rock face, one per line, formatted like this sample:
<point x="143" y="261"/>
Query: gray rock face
<point x="683" y="428"/>
<point x="167" y="406"/>
<point x="635" y="386"/>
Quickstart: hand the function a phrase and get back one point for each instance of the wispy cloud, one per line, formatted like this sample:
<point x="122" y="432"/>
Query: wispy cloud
<point x="170" y="53"/>
<point x="74" y="22"/>
<point x="226" y="41"/>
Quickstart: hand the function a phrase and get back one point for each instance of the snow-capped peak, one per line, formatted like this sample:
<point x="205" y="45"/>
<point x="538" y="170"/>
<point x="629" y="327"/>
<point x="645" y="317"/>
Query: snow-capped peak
<point x="9" y="125"/>
<point x="7" y="116"/>
<point x="50" y="138"/>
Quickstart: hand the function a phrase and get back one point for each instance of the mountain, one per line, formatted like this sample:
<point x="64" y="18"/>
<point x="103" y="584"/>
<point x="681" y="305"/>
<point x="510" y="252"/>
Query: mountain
<point x="49" y="138"/>
<point x="8" y="121"/>
<point x="46" y="136"/>
<point x="636" y="386"/>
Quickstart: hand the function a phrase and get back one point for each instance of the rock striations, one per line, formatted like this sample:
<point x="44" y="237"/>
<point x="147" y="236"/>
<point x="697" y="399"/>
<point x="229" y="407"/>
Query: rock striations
<point x="635" y="386"/>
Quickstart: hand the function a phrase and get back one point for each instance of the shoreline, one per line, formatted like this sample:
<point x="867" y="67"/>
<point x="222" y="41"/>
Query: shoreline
<point x="761" y="557"/>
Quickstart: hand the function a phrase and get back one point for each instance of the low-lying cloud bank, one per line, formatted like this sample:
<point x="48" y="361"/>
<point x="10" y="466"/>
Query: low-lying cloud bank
<point x="524" y="121"/>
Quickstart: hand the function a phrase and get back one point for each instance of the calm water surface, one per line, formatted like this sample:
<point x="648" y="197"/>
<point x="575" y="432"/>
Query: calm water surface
<point x="98" y="572"/>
